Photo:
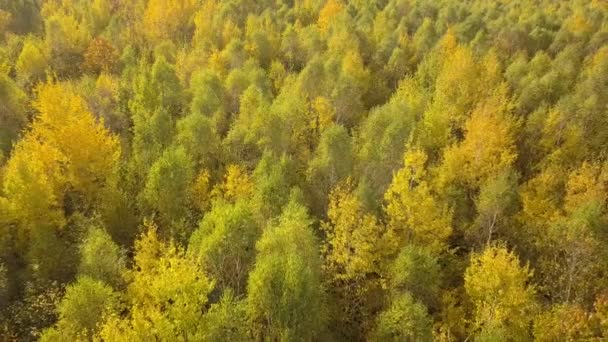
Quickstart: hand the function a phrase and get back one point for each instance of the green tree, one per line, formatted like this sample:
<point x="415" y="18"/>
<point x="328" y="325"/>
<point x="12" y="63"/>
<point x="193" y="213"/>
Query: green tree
<point x="207" y="93"/>
<point x="496" y="202"/>
<point x="167" y="188"/>
<point x="273" y="178"/>
<point x="332" y="162"/>
<point x="100" y="258"/>
<point x="382" y="136"/>
<point x="416" y="271"/>
<point x="404" y="320"/>
<point x="284" y="287"/>
<point x="32" y="62"/>
<point x="196" y="134"/>
<point x="224" y="321"/>
<point x="12" y="113"/>
<point x="82" y="310"/>
<point x="156" y="102"/>
<point x="225" y="244"/>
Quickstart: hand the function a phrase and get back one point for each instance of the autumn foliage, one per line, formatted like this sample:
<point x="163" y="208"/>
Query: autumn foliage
<point x="311" y="170"/>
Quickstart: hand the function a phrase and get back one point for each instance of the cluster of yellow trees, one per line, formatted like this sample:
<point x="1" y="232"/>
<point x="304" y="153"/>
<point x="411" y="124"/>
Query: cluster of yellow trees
<point x="315" y="170"/>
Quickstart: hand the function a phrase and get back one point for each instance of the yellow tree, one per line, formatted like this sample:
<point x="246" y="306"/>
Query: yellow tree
<point x="575" y="254"/>
<point x="166" y="295"/>
<point x="563" y="322"/>
<point x="92" y="163"/>
<point x="33" y="185"/>
<point x="353" y="252"/>
<point x="353" y="247"/>
<point x="488" y="148"/>
<point x="323" y="114"/>
<point x="562" y="213"/>
<point x="168" y="19"/>
<point x="540" y="198"/>
<point x="415" y="215"/>
<point x="237" y="185"/>
<point x="487" y="151"/>
<point x="205" y="34"/>
<point x="66" y="37"/>
<point x="461" y="82"/>
<point x="5" y="20"/>
<point x="331" y="9"/>
<point x="66" y="152"/>
<point x="503" y="299"/>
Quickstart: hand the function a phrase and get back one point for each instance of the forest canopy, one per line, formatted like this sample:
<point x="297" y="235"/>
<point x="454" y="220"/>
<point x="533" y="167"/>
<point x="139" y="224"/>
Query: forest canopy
<point x="309" y="170"/>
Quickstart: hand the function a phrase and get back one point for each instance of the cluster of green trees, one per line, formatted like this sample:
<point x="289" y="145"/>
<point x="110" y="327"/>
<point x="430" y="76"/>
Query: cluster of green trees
<point x="312" y="170"/>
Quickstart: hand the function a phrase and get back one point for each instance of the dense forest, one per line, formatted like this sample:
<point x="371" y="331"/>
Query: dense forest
<point x="303" y="170"/>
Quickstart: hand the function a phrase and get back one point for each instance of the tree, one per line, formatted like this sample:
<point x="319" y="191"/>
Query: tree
<point x="157" y="88"/>
<point x="66" y="39"/>
<point x="416" y="215"/>
<point x="348" y="93"/>
<point x="32" y="185"/>
<point x="101" y="259"/>
<point x="415" y="271"/>
<point x="32" y="62"/>
<point x="224" y="321"/>
<point x="496" y="201"/>
<point x="601" y="313"/>
<point x="562" y="212"/>
<point x="331" y="9"/>
<point x="404" y="320"/>
<point x="574" y="236"/>
<point x="82" y="310"/>
<point x="332" y="162"/>
<point x="165" y="297"/>
<point x="167" y="188"/>
<point x="482" y="155"/>
<point x="499" y="289"/>
<point x="353" y="236"/>
<point x="5" y="20"/>
<point x="152" y="134"/>
<point x="237" y="185"/>
<point x="168" y="20"/>
<point x="200" y="191"/>
<point x="564" y="321"/>
<point x="460" y="84"/>
<point x="284" y="287"/>
<point x="100" y="56"/>
<point x="156" y="101"/>
<point x="36" y="311"/>
<point x="273" y="178"/>
<point x="48" y="177"/>
<point x="224" y="243"/>
<point x="207" y="93"/>
<point x="4" y="285"/>
<point x="354" y="253"/>
<point x="24" y="15"/>
<point x="64" y="118"/>
<point x="12" y="113"/>
<point x="382" y="136"/>
<point x="196" y="134"/>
